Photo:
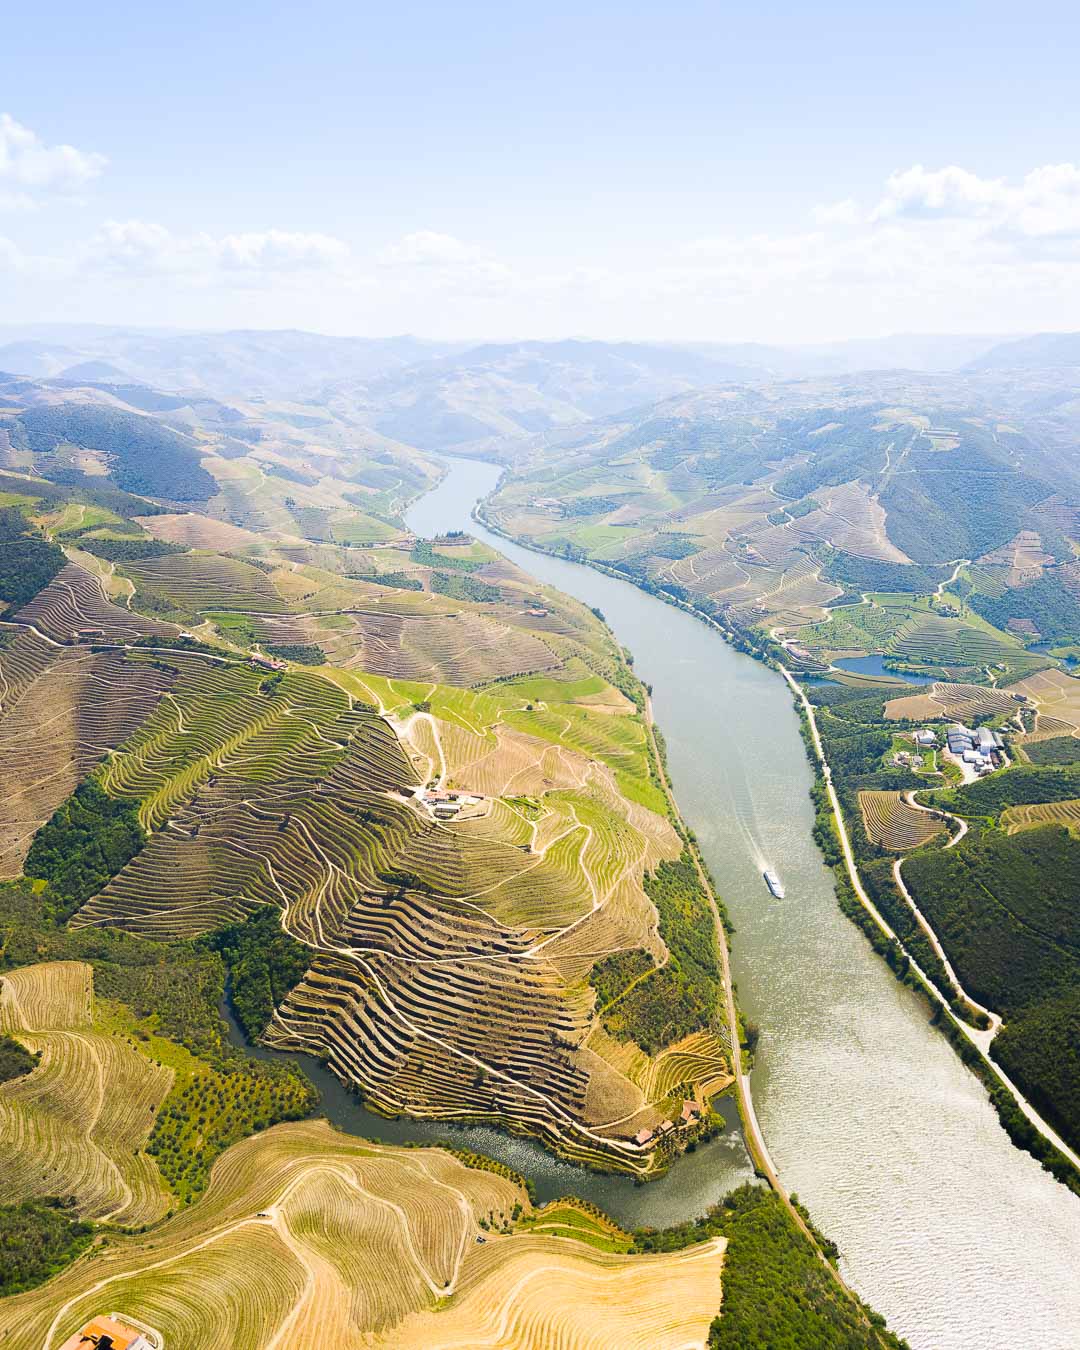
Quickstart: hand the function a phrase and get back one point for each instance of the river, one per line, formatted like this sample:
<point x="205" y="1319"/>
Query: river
<point x="957" y="1237"/>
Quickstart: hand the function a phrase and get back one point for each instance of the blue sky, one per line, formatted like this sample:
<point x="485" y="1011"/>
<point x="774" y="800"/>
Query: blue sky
<point x="689" y="170"/>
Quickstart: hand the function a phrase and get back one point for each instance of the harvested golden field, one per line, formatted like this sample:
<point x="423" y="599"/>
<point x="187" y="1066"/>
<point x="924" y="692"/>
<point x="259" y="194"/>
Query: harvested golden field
<point x="914" y="708"/>
<point x="78" y="1123"/>
<point x="1065" y="813"/>
<point x="894" y="824"/>
<point x="310" y="1238"/>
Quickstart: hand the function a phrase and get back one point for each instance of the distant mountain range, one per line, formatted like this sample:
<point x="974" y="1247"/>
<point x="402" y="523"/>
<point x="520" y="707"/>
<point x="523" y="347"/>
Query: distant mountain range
<point x="481" y="398"/>
<point x="1043" y="350"/>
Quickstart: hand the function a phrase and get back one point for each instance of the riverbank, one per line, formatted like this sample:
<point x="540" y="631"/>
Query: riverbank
<point x="1037" y="1137"/>
<point x="1066" y="1165"/>
<point x="755" y="1140"/>
<point x="959" y="1238"/>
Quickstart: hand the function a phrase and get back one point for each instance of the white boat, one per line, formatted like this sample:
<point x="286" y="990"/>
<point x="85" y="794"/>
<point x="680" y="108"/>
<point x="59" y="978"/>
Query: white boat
<point x="774" y="883"/>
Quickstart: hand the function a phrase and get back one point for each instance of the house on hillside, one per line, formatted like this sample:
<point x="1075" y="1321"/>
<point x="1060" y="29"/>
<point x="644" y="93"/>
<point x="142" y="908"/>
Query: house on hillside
<point x="643" y="1137"/>
<point x="108" y="1333"/>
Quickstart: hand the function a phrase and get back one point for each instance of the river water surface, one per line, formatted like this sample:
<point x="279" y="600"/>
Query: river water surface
<point x="957" y="1237"/>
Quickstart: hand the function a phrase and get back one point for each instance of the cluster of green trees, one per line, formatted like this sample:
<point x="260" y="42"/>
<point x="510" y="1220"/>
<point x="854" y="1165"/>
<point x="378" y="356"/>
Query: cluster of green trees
<point x="37" y="1239"/>
<point x="145" y="456"/>
<point x="307" y="653"/>
<point x="87" y="841"/>
<point x="793" y="512"/>
<point x="27" y="560"/>
<point x="872" y="574"/>
<point x="424" y="552"/>
<point x="399" y="581"/>
<point x="1047" y="602"/>
<point x="922" y="502"/>
<point x="223" y="1103"/>
<point x="597" y="505"/>
<point x="128" y="550"/>
<point x="15" y="1059"/>
<point x="1057" y="750"/>
<point x="720" y="450"/>
<point x="1005" y="909"/>
<point x="263" y="964"/>
<point x="674" y="546"/>
<point x="465" y="588"/>
<point x="612" y="976"/>
<point x="777" y="1291"/>
<point x="843" y="444"/>
<point x="681" y="996"/>
<point x="1020" y="786"/>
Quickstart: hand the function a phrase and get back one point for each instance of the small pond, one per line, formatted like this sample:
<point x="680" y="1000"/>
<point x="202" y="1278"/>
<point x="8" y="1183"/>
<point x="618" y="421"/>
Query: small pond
<point x="875" y="665"/>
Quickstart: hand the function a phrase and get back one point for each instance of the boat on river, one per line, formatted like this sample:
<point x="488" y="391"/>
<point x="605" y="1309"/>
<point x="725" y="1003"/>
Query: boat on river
<point x="774" y="883"/>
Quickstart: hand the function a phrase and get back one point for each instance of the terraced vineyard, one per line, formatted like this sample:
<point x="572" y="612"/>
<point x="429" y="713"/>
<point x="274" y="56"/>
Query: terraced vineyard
<point x="1066" y="813"/>
<point x="307" y="1237"/>
<point x="940" y="642"/>
<point x="961" y="702"/>
<point x="64" y="707"/>
<point x="460" y="649"/>
<point x="196" y="581"/>
<point x="891" y="822"/>
<point x="74" y="602"/>
<point x="78" y="1124"/>
<point x="290" y="790"/>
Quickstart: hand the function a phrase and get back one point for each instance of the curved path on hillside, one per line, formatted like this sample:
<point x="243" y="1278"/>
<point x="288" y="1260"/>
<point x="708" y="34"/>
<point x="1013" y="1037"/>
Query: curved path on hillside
<point x="975" y="1037"/>
<point x="984" y="1036"/>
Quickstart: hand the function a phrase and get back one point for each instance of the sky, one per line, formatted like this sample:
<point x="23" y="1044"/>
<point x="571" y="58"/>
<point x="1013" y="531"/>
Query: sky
<point x="670" y="172"/>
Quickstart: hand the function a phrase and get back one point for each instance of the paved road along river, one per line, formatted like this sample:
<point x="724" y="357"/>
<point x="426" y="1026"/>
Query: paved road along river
<point x="961" y="1240"/>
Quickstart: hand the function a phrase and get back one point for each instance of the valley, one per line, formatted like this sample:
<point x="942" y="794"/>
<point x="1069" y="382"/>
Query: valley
<point x="387" y="781"/>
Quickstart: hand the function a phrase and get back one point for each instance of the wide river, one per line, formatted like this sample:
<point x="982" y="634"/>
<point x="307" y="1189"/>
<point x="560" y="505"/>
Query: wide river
<point x="957" y="1237"/>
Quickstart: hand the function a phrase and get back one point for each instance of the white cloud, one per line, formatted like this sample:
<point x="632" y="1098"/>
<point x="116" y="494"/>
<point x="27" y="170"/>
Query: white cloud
<point x="11" y="258"/>
<point x="30" y="169"/>
<point x="426" y="258"/>
<point x="428" y="248"/>
<point x="1045" y="204"/>
<point x="145" y="248"/>
<point x="846" y="212"/>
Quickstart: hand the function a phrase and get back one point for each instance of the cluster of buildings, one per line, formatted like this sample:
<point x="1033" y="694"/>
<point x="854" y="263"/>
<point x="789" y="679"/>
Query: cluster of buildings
<point x="691" y="1115"/>
<point x="445" y="805"/>
<point x="267" y="662"/>
<point x="977" y="748"/>
<point x="924" y="740"/>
